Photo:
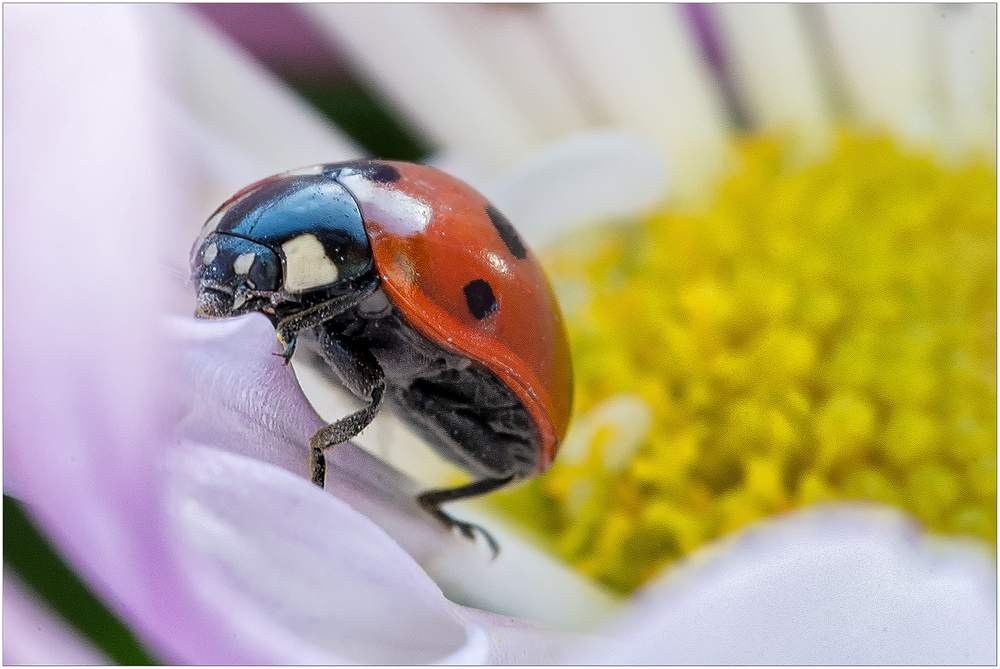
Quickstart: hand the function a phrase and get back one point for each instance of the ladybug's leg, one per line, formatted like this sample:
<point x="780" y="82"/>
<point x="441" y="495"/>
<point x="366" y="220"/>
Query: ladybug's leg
<point x="363" y="376"/>
<point x="288" y="328"/>
<point x="432" y="500"/>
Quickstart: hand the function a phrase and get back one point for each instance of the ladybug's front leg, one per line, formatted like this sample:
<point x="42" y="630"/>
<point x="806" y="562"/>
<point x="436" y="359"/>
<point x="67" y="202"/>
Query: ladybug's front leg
<point x="338" y="433"/>
<point x="360" y="373"/>
<point x="287" y="329"/>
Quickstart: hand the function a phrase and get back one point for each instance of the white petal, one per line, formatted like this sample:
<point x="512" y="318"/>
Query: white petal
<point x="776" y="74"/>
<point x="516" y="46"/>
<point x="419" y="61"/>
<point x="514" y="642"/>
<point x="243" y="398"/>
<point x="888" y="56"/>
<point x="240" y="100"/>
<point x="588" y="177"/>
<point x="92" y="193"/>
<point x="641" y="64"/>
<point x="524" y="581"/>
<point x="970" y="77"/>
<point x="841" y="585"/>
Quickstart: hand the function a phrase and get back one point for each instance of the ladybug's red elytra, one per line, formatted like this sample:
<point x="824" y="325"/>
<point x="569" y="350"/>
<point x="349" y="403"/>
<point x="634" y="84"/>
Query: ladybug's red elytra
<point x="409" y="286"/>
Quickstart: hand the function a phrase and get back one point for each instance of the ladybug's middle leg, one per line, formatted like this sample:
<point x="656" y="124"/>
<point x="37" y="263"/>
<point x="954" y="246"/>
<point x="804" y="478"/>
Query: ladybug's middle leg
<point x="361" y="374"/>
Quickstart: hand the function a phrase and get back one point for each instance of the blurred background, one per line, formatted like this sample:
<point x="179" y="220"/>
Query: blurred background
<point x="864" y="351"/>
<point x="286" y="40"/>
<point x="498" y="81"/>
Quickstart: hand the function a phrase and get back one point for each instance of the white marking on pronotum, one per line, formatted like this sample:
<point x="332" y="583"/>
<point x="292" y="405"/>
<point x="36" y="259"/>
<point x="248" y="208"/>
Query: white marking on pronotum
<point x="243" y="263"/>
<point x="396" y="210"/>
<point x="307" y="265"/>
<point x="361" y="187"/>
<point x="305" y="171"/>
<point x="210" y="252"/>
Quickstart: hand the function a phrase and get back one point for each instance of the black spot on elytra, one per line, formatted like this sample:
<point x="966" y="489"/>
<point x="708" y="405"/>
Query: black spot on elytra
<point x="479" y="296"/>
<point x="507" y="233"/>
<point x="376" y="171"/>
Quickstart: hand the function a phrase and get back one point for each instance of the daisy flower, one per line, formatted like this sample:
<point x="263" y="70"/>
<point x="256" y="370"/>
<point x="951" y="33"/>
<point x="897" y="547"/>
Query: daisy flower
<point x="165" y="458"/>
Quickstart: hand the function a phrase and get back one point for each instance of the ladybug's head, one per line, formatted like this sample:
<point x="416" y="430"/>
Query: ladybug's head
<point x="277" y="241"/>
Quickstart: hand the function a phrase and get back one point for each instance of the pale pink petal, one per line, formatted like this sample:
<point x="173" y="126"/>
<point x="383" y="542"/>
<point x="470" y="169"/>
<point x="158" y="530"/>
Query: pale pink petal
<point x="304" y="572"/>
<point x="242" y="397"/>
<point x="842" y="585"/>
<point x="35" y="634"/>
<point x="516" y="642"/>
<point x="246" y="402"/>
<point x="88" y="199"/>
<point x="94" y="386"/>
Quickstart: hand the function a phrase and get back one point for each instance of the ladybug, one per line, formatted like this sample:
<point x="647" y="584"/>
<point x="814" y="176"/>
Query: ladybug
<point x="411" y="289"/>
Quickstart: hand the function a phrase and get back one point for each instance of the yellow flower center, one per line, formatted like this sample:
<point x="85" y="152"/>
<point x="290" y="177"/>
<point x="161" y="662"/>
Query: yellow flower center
<point x="818" y="333"/>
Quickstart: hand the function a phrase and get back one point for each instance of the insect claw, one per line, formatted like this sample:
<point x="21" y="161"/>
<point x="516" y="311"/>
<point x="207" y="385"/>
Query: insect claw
<point x="287" y="352"/>
<point x="469" y="531"/>
<point x="491" y="542"/>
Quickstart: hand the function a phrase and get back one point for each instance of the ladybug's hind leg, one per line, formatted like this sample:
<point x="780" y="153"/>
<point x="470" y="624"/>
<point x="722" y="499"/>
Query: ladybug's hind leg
<point x="432" y="500"/>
